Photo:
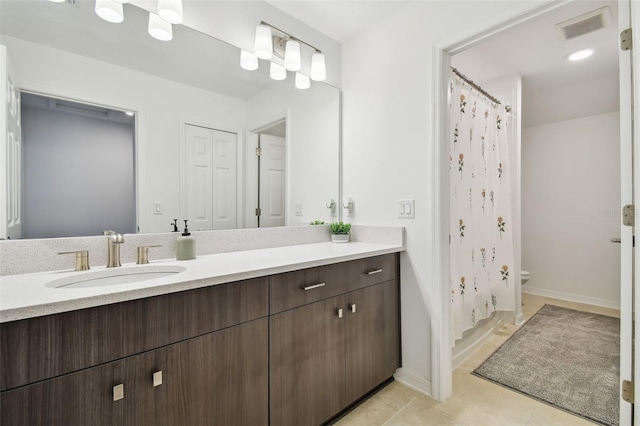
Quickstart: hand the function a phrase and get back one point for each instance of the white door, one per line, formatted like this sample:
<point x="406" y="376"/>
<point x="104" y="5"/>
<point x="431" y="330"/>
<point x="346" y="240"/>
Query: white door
<point x="10" y="152"/>
<point x="626" y="233"/>
<point x="272" y="181"/>
<point x="211" y="178"/>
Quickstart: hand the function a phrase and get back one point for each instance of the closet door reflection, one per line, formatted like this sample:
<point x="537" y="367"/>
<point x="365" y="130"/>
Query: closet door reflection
<point x="211" y="176"/>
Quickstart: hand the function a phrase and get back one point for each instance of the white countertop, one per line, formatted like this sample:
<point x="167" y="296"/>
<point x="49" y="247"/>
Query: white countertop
<point x="26" y="295"/>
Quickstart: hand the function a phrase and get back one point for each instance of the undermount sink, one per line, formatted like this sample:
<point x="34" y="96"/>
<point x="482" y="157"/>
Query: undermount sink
<point x="115" y="276"/>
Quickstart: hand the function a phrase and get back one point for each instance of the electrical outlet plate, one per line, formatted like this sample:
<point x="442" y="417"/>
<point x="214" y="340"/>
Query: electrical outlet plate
<point x="299" y="209"/>
<point x="406" y="209"/>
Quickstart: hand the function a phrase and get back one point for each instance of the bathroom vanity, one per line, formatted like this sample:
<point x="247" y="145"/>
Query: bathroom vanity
<point x="291" y="347"/>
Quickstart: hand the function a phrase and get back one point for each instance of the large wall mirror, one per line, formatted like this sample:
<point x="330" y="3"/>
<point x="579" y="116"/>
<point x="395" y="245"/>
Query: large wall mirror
<point x="197" y="122"/>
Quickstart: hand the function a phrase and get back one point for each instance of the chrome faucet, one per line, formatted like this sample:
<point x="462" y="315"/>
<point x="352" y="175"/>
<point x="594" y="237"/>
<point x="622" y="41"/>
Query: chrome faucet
<point x="113" y="244"/>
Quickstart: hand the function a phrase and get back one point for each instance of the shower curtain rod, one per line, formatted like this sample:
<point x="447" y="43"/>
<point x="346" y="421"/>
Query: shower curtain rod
<point x="477" y="87"/>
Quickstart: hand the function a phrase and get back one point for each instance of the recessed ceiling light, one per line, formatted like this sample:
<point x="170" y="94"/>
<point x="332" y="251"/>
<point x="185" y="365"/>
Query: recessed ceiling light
<point x="580" y="54"/>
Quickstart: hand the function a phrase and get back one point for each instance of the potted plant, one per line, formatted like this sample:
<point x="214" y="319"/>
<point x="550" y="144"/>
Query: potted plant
<point x="340" y="232"/>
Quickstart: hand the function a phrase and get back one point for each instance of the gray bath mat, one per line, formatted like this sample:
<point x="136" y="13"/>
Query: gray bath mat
<point x="566" y="358"/>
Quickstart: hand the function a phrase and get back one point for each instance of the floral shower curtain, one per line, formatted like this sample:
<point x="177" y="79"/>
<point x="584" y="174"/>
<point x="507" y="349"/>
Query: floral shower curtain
<point x="481" y="238"/>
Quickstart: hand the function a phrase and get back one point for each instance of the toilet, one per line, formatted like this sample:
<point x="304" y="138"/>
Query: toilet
<point x="525" y="275"/>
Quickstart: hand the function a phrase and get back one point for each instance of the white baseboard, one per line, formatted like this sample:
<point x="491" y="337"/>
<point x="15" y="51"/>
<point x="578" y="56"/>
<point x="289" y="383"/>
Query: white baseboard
<point x="571" y="297"/>
<point x="412" y="380"/>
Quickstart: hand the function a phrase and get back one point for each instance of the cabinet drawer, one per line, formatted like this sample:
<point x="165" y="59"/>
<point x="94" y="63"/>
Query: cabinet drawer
<point x="44" y="347"/>
<point x="371" y="270"/>
<point x="297" y="288"/>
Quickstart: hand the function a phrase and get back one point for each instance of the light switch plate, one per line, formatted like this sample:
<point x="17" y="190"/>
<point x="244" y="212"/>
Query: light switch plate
<point x="157" y="207"/>
<point x="299" y="209"/>
<point x="406" y="209"/>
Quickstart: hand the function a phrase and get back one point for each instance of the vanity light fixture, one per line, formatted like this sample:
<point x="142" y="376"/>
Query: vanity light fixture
<point x="263" y="47"/>
<point x="170" y="11"/>
<point x="58" y="1"/>
<point x="287" y="48"/>
<point x="580" y="54"/>
<point x="130" y="113"/>
<point x="292" y="55"/>
<point x="110" y="11"/>
<point x="277" y="71"/>
<point x="318" y="69"/>
<point x="159" y="28"/>
<point x="248" y="60"/>
<point x="302" y="81"/>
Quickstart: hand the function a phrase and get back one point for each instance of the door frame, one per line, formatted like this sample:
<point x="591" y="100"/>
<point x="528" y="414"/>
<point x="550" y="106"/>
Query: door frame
<point x="441" y="342"/>
<point x="276" y="119"/>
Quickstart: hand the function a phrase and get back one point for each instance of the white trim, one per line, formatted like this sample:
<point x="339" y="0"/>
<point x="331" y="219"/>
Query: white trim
<point x="571" y="297"/>
<point x="410" y="379"/>
<point x="441" y="371"/>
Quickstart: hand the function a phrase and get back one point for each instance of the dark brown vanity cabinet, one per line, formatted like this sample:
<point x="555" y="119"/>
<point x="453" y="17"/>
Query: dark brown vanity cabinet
<point x="327" y="354"/>
<point x="208" y="363"/>
<point x="290" y="349"/>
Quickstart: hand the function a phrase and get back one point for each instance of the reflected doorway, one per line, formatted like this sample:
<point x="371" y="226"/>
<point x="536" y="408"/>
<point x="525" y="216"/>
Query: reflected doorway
<point x="266" y="175"/>
<point x="78" y="172"/>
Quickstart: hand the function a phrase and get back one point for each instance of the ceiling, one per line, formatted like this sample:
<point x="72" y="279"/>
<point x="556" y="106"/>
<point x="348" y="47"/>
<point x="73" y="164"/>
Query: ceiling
<point x="338" y="19"/>
<point x="532" y="49"/>
<point x="195" y="58"/>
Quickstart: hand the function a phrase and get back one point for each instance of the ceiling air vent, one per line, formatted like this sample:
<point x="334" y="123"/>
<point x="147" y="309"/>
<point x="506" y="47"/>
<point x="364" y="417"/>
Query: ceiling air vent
<point x="583" y="24"/>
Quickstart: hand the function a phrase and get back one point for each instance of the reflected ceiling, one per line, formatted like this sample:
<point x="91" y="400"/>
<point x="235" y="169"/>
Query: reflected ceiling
<point x="216" y="68"/>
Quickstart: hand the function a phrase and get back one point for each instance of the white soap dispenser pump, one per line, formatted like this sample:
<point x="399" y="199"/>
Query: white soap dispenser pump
<point x="186" y="245"/>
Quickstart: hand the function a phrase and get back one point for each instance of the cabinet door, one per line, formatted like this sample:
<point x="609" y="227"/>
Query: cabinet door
<point x="307" y="363"/>
<point x="220" y="378"/>
<point x="372" y="338"/>
<point x="82" y="398"/>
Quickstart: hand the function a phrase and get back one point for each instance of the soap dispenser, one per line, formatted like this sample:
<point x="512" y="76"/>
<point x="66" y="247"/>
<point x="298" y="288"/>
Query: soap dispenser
<point x="186" y="245"/>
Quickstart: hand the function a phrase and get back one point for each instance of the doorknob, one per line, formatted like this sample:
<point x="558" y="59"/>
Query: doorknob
<point x="615" y="240"/>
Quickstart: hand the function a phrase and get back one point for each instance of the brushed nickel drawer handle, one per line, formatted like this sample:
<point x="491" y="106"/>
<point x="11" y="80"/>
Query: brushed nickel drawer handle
<point x="353" y="308"/>
<point x="375" y="271"/>
<point x="157" y="378"/>
<point x="340" y="313"/>
<point x="311" y="287"/>
<point x="118" y="392"/>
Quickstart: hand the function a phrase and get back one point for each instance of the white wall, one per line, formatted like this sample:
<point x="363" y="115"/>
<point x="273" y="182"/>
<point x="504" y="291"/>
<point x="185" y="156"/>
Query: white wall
<point x="571" y="207"/>
<point x="162" y="104"/>
<point x="387" y="145"/>
<point x="313" y="129"/>
<point x="78" y="175"/>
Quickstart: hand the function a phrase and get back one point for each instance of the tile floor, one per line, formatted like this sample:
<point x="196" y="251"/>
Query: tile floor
<point x="475" y="401"/>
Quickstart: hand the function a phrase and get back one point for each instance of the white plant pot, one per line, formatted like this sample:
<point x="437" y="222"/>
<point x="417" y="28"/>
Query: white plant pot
<point x="340" y="238"/>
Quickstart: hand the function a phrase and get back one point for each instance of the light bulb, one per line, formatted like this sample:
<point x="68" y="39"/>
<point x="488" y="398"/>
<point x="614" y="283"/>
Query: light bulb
<point x="292" y="56"/>
<point x="277" y="71"/>
<point x="248" y="60"/>
<point x="302" y="81"/>
<point x="110" y="11"/>
<point x="170" y="11"/>
<point x="263" y="47"/>
<point x="159" y="28"/>
<point x="318" y="70"/>
<point x="580" y="54"/>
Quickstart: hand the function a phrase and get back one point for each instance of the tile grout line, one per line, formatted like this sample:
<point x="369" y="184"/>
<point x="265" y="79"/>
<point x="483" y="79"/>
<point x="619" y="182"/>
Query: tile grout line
<point x="531" y="416"/>
<point x="398" y="412"/>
